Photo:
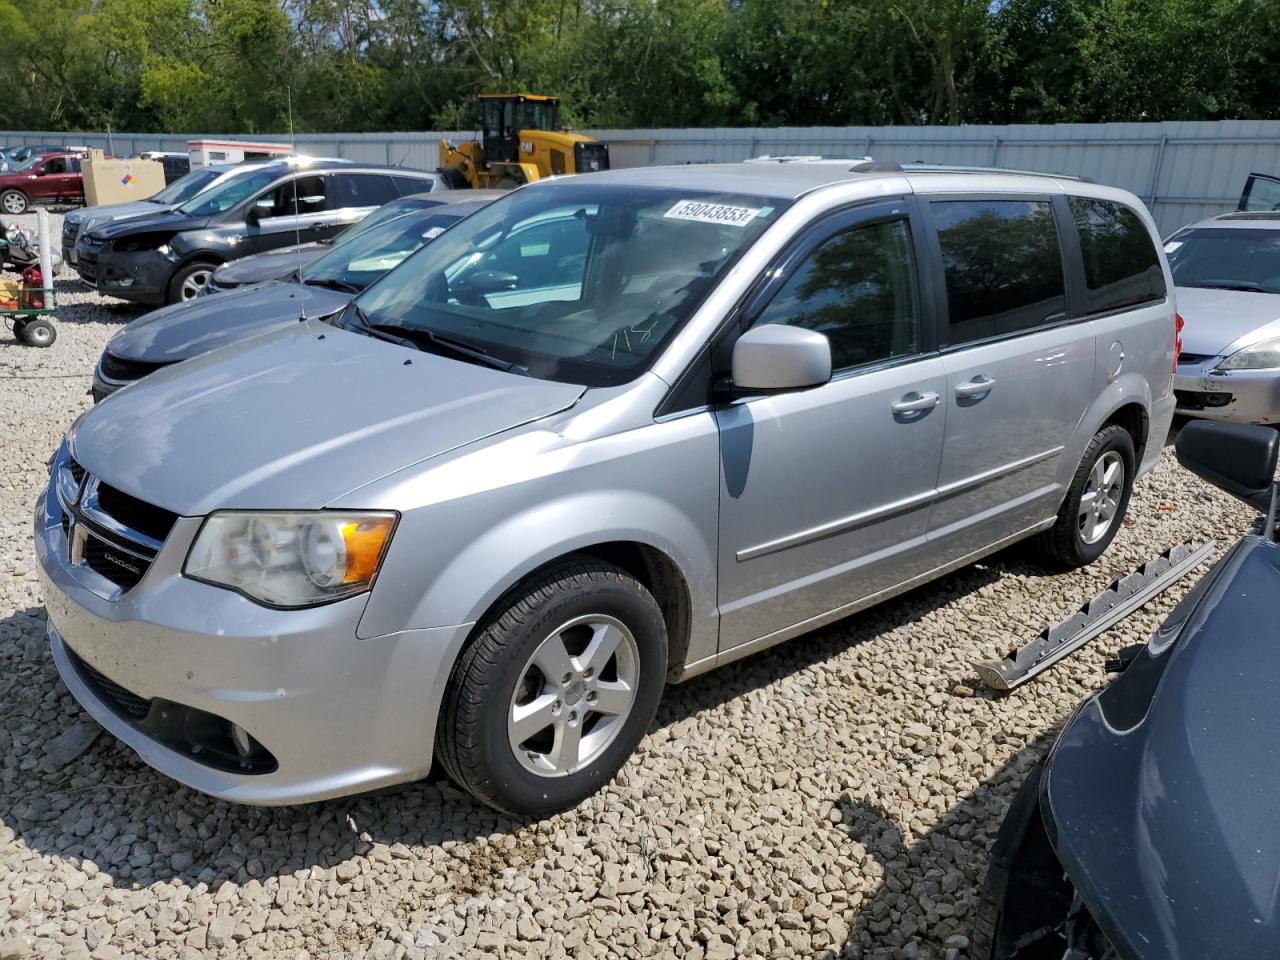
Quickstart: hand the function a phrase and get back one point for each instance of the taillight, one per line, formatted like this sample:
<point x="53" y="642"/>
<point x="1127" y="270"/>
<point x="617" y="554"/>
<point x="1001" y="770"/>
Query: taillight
<point x="1178" y="324"/>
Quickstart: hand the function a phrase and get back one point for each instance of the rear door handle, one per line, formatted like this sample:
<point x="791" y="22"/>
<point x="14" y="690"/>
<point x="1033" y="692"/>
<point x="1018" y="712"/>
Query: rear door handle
<point x="975" y="389"/>
<point x="915" y="402"/>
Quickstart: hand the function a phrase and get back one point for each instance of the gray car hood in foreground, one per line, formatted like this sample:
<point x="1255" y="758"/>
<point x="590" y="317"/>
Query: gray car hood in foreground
<point x="297" y="418"/>
<point x="197" y="326"/>
<point x="1216" y="319"/>
<point x="270" y="265"/>
<point x="1163" y="789"/>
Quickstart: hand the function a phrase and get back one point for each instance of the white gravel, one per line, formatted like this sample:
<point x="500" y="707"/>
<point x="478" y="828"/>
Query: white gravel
<point x="835" y="796"/>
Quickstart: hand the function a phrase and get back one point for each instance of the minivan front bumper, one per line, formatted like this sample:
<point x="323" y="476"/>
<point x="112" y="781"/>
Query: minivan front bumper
<point x="337" y="714"/>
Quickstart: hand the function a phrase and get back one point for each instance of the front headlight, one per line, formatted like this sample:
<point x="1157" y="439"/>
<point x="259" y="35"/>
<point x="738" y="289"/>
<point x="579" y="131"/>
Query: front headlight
<point x="1260" y="356"/>
<point x="291" y="559"/>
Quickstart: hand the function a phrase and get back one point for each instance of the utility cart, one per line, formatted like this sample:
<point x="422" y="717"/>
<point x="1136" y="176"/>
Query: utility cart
<point x="32" y="308"/>
<point x="32" y="324"/>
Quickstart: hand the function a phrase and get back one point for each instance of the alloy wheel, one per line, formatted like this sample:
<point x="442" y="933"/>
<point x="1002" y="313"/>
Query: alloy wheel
<point x="194" y="284"/>
<point x="574" y="695"/>
<point x="1100" y="502"/>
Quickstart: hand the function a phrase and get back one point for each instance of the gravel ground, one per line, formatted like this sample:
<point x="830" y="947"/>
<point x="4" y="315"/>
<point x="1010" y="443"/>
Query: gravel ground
<point x="835" y="796"/>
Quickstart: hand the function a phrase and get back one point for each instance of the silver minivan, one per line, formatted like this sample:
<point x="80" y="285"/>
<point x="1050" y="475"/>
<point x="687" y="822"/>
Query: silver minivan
<point x="611" y="431"/>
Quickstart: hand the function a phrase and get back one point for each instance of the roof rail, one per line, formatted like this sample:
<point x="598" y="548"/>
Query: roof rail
<point x="920" y="166"/>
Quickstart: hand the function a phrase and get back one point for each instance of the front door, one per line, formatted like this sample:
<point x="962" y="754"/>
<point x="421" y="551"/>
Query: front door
<point x="825" y="493"/>
<point x="1019" y="374"/>
<point x="288" y="213"/>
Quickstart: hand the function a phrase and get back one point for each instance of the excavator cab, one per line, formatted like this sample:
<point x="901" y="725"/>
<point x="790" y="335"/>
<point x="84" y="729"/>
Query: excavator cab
<point x="506" y="114"/>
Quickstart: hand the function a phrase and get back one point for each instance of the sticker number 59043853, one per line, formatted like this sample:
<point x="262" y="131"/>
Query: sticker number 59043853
<point x="722" y="213"/>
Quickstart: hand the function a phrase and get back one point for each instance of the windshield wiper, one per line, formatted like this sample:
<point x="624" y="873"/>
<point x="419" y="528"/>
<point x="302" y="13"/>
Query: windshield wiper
<point x="423" y="338"/>
<point x="362" y="323"/>
<point x="331" y="283"/>
<point x="1243" y="285"/>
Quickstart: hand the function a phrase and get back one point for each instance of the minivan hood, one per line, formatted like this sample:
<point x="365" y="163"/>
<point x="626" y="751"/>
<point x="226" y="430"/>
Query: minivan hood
<point x="270" y="265"/>
<point x="163" y="219"/>
<point x="197" y="326"/>
<point x="297" y="418"/>
<point x="1166" y="823"/>
<point x="1216" y="319"/>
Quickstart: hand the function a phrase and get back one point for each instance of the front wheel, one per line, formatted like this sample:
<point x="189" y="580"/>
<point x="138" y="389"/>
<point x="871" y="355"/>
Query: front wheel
<point x="1096" y="501"/>
<point x="38" y="333"/>
<point x="14" y="202"/>
<point x="553" y="695"/>
<point x="189" y="281"/>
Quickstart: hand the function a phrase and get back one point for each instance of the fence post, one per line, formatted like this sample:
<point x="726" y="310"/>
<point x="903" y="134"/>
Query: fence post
<point x="653" y="150"/>
<point x="388" y="153"/>
<point x="995" y="151"/>
<point x="1155" y="173"/>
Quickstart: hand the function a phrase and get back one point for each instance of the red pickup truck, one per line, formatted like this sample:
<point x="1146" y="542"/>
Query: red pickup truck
<point x="47" y="178"/>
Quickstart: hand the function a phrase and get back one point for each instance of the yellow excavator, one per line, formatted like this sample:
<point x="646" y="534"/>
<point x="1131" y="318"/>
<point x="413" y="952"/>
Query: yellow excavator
<point x="521" y="141"/>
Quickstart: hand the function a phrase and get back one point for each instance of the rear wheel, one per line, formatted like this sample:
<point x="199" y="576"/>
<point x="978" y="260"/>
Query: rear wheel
<point x="14" y="202"/>
<point x="554" y="694"/>
<point x="189" y="281"/>
<point x="1096" y="501"/>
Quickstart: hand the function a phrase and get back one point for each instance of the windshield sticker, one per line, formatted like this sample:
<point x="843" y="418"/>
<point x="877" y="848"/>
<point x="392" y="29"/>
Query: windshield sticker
<point x="1172" y="245"/>
<point x="721" y="213"/>
<point x="433" y="233"/>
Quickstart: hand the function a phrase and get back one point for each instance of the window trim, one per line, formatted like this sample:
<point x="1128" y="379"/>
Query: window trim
<point x="942" y="307"/>
<point x="761" y="292"/>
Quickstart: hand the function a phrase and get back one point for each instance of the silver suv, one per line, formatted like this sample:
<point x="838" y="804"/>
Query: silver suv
<point x="611" y="431"/>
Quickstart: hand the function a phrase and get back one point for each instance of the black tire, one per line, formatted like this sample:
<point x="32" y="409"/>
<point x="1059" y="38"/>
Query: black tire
<point x="39" y="332"/>
<point x="185" y="277"/>
<point x="472" y="739"/>
<point x="1065" y="543"/>
<point x="14" y="203"/>
<point x="453" y="178"/>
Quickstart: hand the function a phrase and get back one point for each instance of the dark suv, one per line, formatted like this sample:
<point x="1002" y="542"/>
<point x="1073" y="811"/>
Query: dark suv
<point x="168" y="256"/>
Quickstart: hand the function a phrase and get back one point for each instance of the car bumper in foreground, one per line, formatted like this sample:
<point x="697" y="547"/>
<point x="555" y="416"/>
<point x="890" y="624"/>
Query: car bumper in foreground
<point x="171" y="664"/>
<point x="1241" y="396"/>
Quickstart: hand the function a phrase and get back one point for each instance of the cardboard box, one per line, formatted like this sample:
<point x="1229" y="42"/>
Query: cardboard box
<point x="119" y="181"/>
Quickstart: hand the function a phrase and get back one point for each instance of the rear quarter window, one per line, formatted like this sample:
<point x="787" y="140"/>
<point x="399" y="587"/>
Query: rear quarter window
<point x="1121" y="265"/>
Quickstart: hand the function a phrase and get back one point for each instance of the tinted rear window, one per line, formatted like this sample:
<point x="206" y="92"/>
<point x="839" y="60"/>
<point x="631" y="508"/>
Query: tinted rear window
<point x="1121" y="266"/>
<point x="362" y="190"/>
<point x="1003" y="266"/>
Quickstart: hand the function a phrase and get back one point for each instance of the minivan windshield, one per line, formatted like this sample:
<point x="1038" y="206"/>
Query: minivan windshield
<point x="577" y="281"/>
<point x="1226" y="258"/>
<point x="186" y="186"/>
<point x="228" y="194"/>
<point x="357" y="261"/>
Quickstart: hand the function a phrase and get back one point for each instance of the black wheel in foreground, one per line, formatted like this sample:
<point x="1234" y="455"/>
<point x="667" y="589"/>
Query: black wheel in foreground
<point x="1096" y="501"/>
<point x="553" y="694"/>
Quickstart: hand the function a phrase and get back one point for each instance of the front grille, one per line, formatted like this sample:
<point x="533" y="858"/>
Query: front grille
<point x="1193" y="358"/>
<point x="136" y="514"/>
<point x="124" y="702"/>
<point x="106" y="559"/>
<point x="119" y="368"/>
<point x="87" y="267"/>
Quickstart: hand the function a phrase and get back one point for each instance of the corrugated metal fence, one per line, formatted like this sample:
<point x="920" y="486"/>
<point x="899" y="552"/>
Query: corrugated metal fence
<point x="1183" y="169"/>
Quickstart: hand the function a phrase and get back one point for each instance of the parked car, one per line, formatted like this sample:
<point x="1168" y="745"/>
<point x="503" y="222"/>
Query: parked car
<point x="1227" y="271"/>
<point x="167" y="257"/>
<point x="175" y="164"/>
<point x="15" y="156"/>
<point x="42" y="178"/>
<point x="328" y="283"/>
<point x="611" y="430"/>
<point x="181" y="190"/>
<point x="281" y="263"/>
<point x="1149" y="832"/>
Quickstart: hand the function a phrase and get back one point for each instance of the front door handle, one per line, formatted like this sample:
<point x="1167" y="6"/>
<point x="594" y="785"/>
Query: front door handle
<point x="975" y="389"/>
<point x="914" y="403"/>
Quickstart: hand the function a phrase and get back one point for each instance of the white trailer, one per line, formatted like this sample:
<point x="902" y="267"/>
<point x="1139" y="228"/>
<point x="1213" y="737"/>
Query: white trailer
<point x="205" y="152"/>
